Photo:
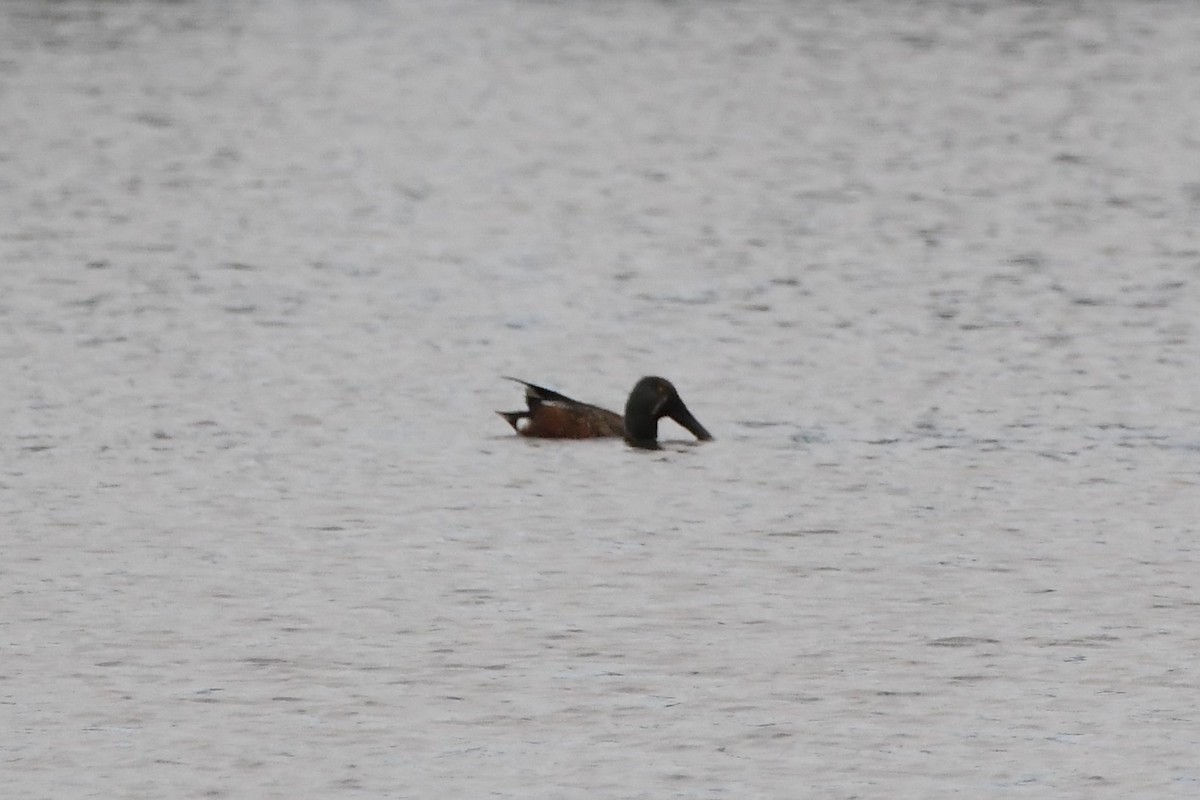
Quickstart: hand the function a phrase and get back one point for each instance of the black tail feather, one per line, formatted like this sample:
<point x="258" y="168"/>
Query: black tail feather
<point x="513" y="418"/>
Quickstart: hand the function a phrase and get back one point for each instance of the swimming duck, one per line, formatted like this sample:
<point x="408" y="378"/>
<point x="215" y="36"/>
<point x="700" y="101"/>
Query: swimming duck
<point x="555" y="416"/>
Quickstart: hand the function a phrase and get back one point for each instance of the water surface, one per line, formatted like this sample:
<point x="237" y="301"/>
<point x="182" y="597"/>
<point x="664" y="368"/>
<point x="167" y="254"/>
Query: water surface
<point x="927" y="271"/>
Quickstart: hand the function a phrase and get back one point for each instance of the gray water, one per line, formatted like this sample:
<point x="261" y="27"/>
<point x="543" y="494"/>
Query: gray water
<point x="928" y="271"/>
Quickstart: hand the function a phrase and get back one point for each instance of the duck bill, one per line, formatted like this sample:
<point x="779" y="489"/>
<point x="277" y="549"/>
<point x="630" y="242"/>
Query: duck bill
<point x="680" y="414"/>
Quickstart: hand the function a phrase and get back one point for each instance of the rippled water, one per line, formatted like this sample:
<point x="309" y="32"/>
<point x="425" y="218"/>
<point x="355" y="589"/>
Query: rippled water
<point x="928" y="271"/>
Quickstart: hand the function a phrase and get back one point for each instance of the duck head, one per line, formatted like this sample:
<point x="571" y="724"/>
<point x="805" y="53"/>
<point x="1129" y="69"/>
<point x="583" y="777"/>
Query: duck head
<point x="652" y="399"/>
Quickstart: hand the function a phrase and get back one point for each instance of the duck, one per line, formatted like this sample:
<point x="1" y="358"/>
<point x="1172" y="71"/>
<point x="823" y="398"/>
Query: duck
<point x="551" y="415"/>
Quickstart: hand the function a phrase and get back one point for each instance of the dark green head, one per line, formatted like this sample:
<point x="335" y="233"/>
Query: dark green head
<point x="651" y="400"/>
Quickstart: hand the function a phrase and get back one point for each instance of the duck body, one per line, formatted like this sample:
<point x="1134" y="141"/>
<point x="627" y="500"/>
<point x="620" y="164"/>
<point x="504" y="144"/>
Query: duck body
<point x="551" y="415"/>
